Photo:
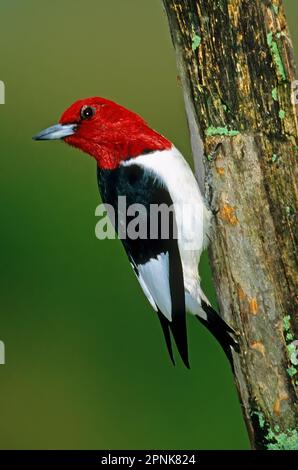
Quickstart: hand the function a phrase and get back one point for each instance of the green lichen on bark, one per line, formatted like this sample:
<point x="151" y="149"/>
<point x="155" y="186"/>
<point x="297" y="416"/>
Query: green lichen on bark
<point x="261" y="418"/>
<point x="292" y="371"/>
<point x="196" y="41"/>
<point x="274" y="94"/>
<point x="291" y="346"/>
<point x="282" y="114"/>
<point x="278" y="440"/>
<point x="275" y="8"/>
<point x="286" y="323"/>
<point x="213" y="131"/>
<point x="274" y="438"/>
<point x="276" y="56"/>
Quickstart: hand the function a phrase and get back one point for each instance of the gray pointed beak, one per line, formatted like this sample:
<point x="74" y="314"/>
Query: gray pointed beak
<point x="59" y="131"/>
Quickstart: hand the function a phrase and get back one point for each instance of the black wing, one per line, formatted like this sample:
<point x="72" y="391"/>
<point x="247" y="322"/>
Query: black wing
<point x="156" y="258"/>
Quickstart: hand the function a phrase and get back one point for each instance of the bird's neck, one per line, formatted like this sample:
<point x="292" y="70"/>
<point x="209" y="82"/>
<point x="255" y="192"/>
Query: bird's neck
<point x="111" y="148"/>
<point x="110" y="156"/>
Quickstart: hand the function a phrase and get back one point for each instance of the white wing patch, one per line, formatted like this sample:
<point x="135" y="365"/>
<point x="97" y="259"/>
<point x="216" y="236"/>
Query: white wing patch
<point x="154" y="279"/>
<point x="145" y="290"/>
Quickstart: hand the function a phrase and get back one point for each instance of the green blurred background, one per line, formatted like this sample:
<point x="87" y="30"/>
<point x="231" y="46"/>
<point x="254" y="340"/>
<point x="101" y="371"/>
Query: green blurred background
<point x="86" y="365"/>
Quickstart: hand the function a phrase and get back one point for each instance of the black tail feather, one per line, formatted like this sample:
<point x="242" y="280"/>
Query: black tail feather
<point x="224" y="334"/>
<point x="166" y="331"/>
<point x="178" y="329"/>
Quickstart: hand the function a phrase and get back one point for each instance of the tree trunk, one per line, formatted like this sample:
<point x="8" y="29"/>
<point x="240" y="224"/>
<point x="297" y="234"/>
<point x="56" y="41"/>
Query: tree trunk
<point x="236" y="65"/>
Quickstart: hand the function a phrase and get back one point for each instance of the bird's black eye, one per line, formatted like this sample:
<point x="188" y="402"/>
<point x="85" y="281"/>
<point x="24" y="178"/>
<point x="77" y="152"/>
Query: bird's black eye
<point x="87" y="112"/>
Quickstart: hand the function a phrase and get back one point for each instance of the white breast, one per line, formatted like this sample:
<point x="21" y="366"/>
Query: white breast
<point x="192" y="216"/>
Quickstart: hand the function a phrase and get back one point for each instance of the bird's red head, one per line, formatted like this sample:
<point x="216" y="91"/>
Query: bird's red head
<point x="106" y="131"/>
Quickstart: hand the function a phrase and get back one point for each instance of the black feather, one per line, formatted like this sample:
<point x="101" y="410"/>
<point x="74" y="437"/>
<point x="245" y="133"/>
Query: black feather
<point x="166" y="331"/>
<point x="142" y="187"/>
<point x="224" y="334"/>
<point x="178" y="323"/>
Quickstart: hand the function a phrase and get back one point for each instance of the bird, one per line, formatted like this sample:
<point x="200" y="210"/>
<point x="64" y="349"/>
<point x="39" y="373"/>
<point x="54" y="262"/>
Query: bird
<point x="138" y="163"/>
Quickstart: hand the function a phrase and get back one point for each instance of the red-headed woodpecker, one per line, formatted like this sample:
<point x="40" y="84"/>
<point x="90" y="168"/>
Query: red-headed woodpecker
<point x="137" y="162"/>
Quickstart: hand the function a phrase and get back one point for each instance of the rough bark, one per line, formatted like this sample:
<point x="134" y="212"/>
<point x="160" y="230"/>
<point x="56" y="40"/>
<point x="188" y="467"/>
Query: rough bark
<point x="236" y="65"/>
